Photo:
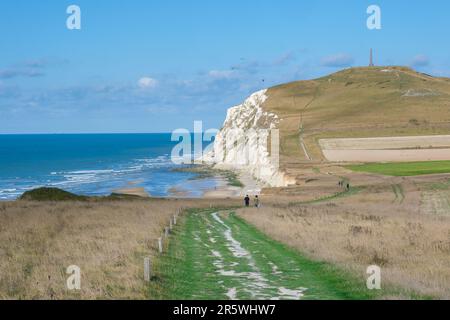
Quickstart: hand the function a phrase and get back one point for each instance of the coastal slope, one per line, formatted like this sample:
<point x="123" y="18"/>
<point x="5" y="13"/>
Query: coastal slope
<point x="363" y="102"/>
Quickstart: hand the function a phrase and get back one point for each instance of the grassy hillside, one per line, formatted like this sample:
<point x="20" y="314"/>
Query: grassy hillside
<point x="358" y="102"/>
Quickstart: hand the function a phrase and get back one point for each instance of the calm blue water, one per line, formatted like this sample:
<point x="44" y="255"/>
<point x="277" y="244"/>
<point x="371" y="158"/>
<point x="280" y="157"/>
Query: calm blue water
<point x="91" y="164"/>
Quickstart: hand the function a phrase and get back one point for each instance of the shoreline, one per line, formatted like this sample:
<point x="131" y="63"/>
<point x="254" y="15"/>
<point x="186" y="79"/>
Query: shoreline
<point x="201" y="187"/>
<point x="230" y="183"/>
<point x="208" y="183"/>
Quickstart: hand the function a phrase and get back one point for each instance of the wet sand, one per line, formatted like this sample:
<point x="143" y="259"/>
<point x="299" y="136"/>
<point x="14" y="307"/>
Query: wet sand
<point x="251" y="187"/>
<point x="203" y="188"/>
<point x="223" y="190"/>
<point x="133" y="192"/>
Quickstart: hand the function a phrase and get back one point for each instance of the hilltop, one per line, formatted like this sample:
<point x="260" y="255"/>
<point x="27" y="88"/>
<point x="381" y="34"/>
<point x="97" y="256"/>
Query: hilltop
<point x="358" y="103"/>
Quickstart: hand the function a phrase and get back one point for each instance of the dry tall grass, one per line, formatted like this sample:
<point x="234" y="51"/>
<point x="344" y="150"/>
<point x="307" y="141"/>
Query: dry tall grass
<point x="373" y="227"/>
<point x="107" y="240"/>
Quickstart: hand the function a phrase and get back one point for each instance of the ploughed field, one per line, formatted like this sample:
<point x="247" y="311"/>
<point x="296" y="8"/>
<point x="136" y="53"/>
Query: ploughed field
<point x="387" y="149"/>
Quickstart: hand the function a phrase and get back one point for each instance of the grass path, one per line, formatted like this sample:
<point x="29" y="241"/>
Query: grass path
<point x="399" y="193"/>
<point x="219" y="256"/>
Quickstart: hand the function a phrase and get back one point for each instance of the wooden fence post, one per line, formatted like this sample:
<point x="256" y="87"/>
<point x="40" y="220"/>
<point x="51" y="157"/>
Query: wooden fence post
<point x="166" y="232"/>
<point x="147" y="269"/>
<point x="160" y="246"/>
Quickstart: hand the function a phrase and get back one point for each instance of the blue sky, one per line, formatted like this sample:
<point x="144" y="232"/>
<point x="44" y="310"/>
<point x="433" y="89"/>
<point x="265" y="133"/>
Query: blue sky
<point x="155" y="66"/>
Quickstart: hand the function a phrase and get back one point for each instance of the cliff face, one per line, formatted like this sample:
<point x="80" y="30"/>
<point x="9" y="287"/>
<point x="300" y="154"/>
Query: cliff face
<point x="243" y="141"/>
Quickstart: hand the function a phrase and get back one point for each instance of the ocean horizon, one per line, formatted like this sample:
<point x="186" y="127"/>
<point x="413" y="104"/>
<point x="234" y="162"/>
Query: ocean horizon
<point x="93" y="164"/>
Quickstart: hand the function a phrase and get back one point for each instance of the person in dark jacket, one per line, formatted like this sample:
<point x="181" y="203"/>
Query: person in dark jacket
<point x="247" y="201"/>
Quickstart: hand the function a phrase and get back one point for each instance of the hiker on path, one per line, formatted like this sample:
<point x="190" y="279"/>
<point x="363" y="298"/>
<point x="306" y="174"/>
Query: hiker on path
<point x="247" y="201"/>
<point x="257" y="202"/>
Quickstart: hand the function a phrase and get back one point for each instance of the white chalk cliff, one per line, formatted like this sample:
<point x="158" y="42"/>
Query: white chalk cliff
<point x="242" y="143"/>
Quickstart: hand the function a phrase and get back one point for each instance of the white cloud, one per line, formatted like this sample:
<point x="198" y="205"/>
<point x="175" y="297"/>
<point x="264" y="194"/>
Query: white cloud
<point x="222" y="74"/>
<point x="147" y="83"/>
<point x="420" y="60"/>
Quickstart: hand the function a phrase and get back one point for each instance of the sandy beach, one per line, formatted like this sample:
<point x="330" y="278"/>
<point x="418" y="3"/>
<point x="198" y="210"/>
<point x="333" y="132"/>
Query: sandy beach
<point x="210" y="188"/>
<point x="223" y="190"/>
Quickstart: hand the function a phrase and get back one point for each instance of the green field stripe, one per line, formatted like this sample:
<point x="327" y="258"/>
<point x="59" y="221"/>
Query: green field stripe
<point x="404" y="169"/>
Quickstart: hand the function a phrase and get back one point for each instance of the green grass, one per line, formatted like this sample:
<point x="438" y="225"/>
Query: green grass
<point x="190" y="271"/>
<point x="398" y="192"/>
<point x="404" y="169"/>
<point x="437" y="186"/>
<point x="201" y="171"/>
<point x="232" y="178"/>
<point x="338" y="195"/>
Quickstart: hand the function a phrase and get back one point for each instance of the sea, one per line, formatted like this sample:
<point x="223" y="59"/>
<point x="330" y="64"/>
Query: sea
<point x="93" y="164"/>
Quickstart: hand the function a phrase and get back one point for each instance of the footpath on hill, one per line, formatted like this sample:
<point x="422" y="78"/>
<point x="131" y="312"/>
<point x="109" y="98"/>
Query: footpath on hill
<point x="216" y="255"/>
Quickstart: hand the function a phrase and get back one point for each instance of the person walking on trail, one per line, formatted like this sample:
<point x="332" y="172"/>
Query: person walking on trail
<point x="247" y="201"/>
<point x="257" y="202"/>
